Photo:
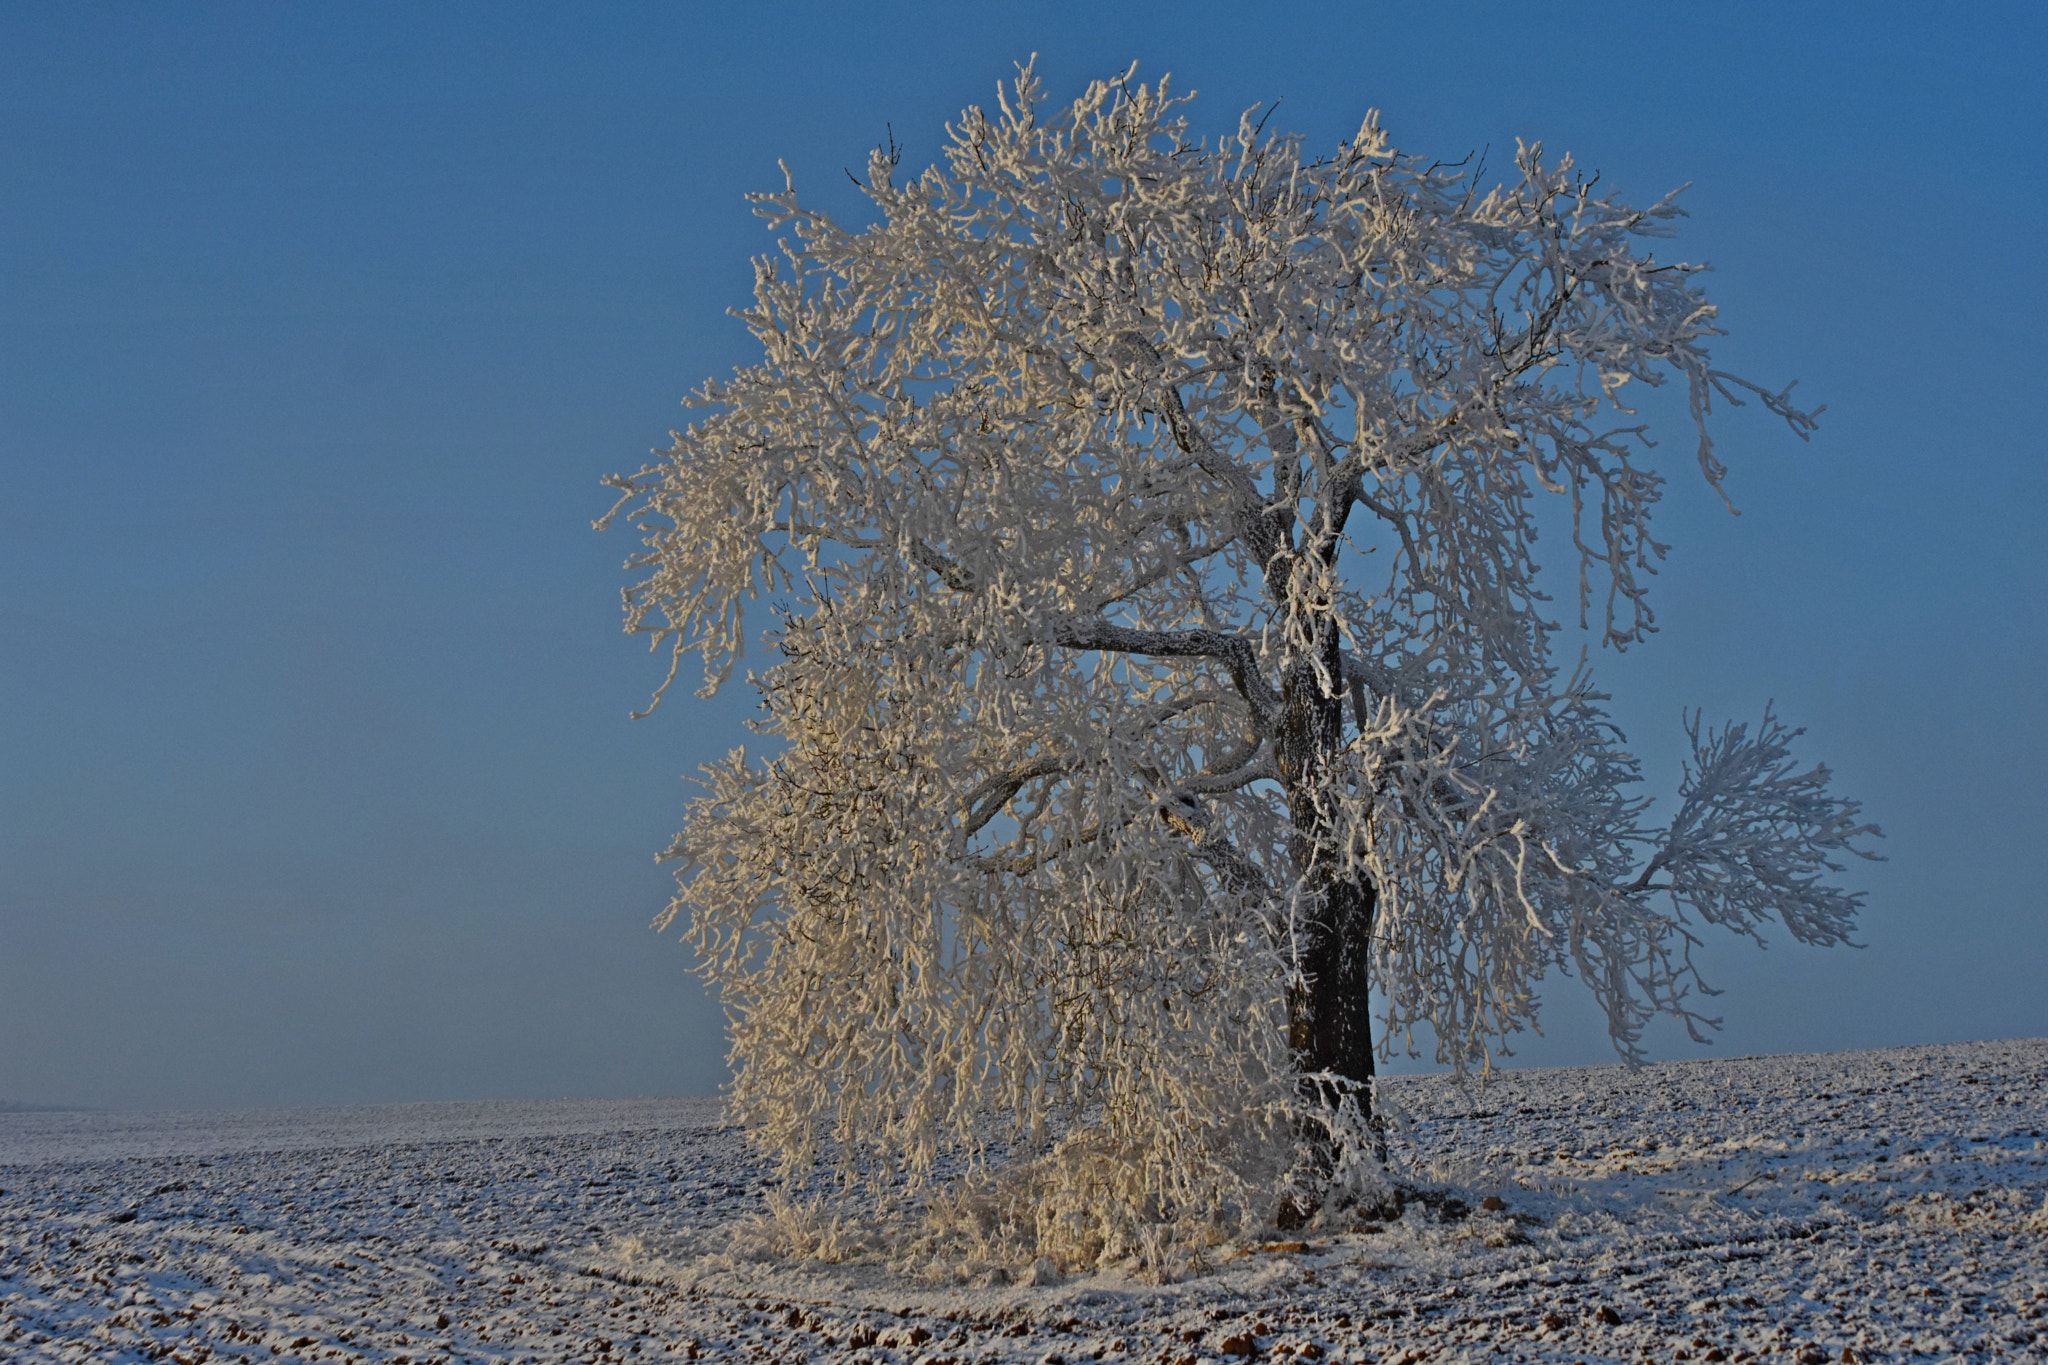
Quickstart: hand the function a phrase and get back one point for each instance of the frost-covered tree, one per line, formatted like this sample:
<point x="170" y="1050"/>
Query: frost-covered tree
<point x="1162" y="717"/>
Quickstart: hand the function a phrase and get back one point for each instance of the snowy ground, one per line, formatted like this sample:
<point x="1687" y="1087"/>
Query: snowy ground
<point x="1891" y="1204"/>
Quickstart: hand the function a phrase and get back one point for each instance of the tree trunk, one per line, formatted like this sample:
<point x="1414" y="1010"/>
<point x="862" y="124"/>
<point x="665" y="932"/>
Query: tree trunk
<point x="1330" y="1023"/>
<point x="1332" y="1026"/>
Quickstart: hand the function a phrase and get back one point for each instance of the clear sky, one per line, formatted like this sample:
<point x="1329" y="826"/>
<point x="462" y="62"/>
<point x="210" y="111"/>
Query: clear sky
<point x="319" y="325"/>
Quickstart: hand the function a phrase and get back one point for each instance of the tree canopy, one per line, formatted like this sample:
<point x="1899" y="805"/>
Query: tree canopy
<point x="1161" y="709"/>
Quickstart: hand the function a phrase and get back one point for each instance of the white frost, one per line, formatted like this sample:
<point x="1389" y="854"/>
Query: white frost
<point x="1887" y="1202"/>
<point x="1151" y="526"/>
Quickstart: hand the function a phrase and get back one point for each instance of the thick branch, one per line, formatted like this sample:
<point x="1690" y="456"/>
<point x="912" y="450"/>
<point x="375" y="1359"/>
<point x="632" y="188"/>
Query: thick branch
<point x="1259" y="767"/>
<point x="949" y="571"/>
<point x="1185" y="815"/>
<point x="1236" y="652"/>
<point x="993" y="793"/>
<point x="1256" y="520"/>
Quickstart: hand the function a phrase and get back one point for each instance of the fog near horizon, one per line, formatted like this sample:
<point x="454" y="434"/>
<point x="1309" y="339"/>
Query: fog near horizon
<point x="319" y="330"/>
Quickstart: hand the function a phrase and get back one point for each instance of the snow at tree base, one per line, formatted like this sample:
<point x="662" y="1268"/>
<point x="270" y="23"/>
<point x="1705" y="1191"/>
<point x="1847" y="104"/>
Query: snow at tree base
<point x="1143" y="534"/>
<point x="1893" y="1205"/>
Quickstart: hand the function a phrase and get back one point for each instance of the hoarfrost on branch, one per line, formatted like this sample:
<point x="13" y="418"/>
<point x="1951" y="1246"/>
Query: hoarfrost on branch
<point x="1159" y="660"/>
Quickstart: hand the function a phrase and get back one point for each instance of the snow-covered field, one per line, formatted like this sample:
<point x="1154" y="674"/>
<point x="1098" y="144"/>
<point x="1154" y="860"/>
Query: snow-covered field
<point x="1869" y="1206"/>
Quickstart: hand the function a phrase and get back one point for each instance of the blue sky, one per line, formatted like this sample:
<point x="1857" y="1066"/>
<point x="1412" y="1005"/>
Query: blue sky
<point x="320" y="324"/>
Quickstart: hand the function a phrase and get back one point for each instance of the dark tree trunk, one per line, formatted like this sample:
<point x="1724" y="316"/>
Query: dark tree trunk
<point x="1332" y="1028"/>
<point x="1329" y="1024"/>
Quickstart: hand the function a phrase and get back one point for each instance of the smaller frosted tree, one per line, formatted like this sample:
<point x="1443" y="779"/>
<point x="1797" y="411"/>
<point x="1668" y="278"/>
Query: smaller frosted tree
<point x="1160" y="667"/>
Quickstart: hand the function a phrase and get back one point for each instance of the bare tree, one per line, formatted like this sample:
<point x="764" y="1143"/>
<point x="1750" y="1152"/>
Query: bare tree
<point x="1162" y="667"/>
